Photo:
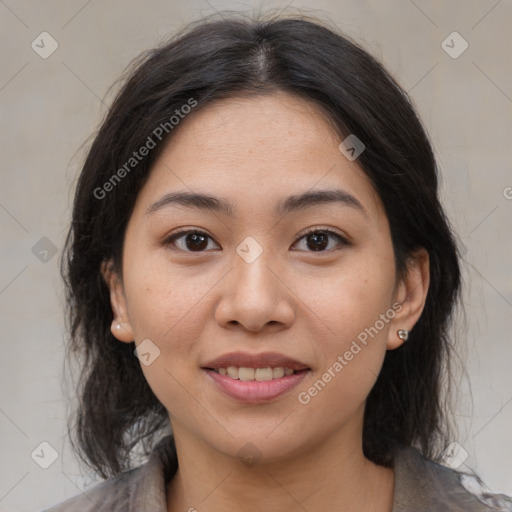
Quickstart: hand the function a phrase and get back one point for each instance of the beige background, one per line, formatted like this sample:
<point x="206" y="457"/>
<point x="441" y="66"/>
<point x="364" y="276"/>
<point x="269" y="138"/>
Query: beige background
<point x="49" y="107"/>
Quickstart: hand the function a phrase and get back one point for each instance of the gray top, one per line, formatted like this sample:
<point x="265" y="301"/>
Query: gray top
<point x="420" y="486"/>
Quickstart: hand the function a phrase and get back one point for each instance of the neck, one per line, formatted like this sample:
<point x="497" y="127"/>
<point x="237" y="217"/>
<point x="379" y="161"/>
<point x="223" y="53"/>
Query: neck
<point x="332" y="475"/>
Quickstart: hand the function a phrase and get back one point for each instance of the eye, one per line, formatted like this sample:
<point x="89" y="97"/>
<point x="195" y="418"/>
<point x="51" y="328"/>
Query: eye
<point x="191" y="240"/>
<point x="317" y="239"/>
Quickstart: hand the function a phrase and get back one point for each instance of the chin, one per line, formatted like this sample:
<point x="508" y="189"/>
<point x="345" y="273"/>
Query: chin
<point x="257" y="446"/>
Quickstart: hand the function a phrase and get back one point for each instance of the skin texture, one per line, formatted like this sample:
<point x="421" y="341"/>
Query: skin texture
<point x="306" y="304"/>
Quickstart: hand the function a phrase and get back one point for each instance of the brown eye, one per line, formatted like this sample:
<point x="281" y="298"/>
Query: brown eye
<point x="317" y="240"/>
<point x="189" y="240"/>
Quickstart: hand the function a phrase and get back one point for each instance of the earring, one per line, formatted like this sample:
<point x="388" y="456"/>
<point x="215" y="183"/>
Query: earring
<point x="118" y="326"/>
<point x="403" y="334"/>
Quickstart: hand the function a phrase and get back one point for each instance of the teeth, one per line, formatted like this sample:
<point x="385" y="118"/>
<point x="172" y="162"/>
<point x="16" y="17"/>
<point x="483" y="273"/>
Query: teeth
<point x="246" y="373"/>
<point x="262" y="374"/>
<point x="233" y="372"/>
<point x="277" y="372"/>
<point x="258" y="374"/>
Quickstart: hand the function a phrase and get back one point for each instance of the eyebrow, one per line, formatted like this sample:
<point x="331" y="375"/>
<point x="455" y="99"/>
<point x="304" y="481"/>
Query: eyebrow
<point x="290" y="204"/>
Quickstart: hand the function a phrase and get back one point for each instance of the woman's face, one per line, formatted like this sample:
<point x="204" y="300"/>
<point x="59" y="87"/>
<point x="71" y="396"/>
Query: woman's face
<point x="253" y="288"/>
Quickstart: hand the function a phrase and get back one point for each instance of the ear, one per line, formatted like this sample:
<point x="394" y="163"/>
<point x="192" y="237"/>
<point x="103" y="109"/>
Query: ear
<point x="120" y="328"/>
<point x="411" y="294"/>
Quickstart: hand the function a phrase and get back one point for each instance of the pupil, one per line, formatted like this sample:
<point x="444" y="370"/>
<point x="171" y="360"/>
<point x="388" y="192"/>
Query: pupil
<point x="321" y="239"/>
<point x="199" y="242"/>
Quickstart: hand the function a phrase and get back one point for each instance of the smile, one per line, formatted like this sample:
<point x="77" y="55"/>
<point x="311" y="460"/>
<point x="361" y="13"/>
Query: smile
<point x="258" y="374"/>
<point x="254" y="378"/>
<point x="254" y="391"/>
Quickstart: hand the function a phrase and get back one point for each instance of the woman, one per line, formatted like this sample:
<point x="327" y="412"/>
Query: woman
<point x="258" y="259"/>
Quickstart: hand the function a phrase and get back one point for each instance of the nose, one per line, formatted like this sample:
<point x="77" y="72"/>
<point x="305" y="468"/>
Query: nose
<point x="255" y="296"/>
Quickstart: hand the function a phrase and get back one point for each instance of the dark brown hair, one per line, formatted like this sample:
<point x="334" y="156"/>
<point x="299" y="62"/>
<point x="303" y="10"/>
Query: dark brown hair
<point x="213" y="59"/>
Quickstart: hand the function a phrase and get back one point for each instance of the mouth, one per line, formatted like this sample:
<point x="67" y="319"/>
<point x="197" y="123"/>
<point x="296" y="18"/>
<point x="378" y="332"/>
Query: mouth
<point x="247" y="374"/>
<point x="254" y="378"/>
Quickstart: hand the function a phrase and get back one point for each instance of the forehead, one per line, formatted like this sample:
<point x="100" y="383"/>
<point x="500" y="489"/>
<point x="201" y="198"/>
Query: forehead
<point x="257" y="151"/>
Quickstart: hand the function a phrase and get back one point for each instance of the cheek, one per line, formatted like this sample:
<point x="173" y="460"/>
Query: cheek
<point x="353" y="297"/>
<point x="170" y="313"/>
<point x="356" y="307"/>
<point x="167" y="308"/>
<point x="161" y="297"/>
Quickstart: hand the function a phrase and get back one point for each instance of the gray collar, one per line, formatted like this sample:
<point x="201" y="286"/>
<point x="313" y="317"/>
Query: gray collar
<point x="420" y="486"/>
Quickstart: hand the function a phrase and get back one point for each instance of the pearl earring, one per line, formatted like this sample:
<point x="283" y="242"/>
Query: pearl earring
<point x="118" y="326"/>
<point x="403" y="334"/>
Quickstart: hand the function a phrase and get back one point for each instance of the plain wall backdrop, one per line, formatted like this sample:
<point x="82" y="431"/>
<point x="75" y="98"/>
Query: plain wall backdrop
<point x="52" y="103"/>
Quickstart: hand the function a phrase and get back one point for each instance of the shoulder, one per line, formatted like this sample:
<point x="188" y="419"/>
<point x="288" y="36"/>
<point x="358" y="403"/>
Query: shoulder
<point x="141" y="488"/>
<point x="424" y="485"/>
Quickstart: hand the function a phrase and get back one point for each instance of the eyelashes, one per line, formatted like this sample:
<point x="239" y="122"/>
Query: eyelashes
<point x="198" y="238"/>
<point x="199" y="241"/>
<point x="325" y="231"/>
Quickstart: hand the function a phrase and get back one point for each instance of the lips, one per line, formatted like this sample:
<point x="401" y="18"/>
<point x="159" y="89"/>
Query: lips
<point x="255" y="378"/>
<point x="246" y="360"/>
